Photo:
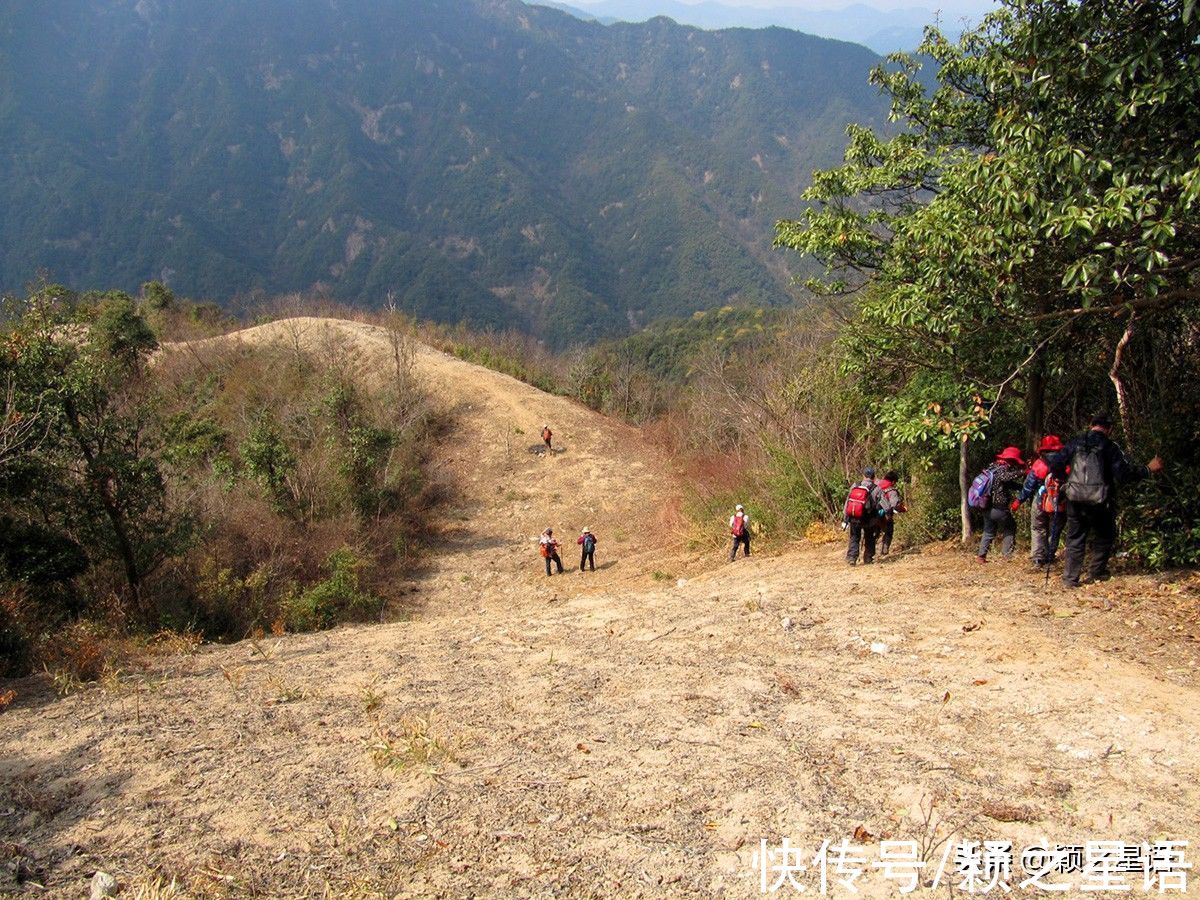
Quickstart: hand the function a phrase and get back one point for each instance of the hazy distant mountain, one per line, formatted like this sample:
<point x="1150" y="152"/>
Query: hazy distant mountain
<point x="481" y="160"/>
<point x="884" y="31"/>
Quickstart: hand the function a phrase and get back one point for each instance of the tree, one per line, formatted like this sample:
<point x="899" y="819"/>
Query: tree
<point x="1042" y="197"/>
<point x="93" y="479"/>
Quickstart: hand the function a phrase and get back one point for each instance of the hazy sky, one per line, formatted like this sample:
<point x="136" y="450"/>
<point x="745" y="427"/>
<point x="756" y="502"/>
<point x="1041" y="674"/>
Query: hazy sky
<point x="948" y="8"/>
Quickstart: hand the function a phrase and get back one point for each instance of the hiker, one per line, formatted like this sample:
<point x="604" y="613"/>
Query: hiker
<point x="892" y="503"/>
<point x="549" y="548"/>
<point x="1005" y="476"/>
<point x="546" y="435"/>
<point x="862" y="515"/>
<point x="739" y="528"/>
<point x="1046" y="515"/>
<point x="1090" y="468"/>
<point x="587" y="544"/>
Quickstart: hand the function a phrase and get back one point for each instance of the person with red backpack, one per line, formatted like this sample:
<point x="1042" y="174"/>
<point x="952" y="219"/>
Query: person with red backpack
<point x="1047" y="514"/>
<point x="862" y="516"/>
<point x="892" y="503"/>
<point x="547" y="435"/>
<point x="1006" y="474"/>
<point x="739" y="529"/>
<point x="1090" y="468"/>
<point x="548" y="545"/>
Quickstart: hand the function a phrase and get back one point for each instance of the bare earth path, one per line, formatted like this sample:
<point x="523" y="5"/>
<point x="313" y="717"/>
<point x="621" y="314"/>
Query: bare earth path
<point x="615" y="734"/>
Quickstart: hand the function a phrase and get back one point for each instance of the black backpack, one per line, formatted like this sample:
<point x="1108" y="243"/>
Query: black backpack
<point x="1086" y="482"/>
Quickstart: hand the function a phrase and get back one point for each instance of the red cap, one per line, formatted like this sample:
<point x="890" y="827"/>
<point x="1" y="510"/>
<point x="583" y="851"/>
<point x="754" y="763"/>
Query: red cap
<point x="1012" y="454"/>
<point x="1051" y="443"/>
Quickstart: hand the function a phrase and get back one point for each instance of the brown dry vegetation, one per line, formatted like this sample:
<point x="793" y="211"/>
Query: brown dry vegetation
<point x="632" y="732"/>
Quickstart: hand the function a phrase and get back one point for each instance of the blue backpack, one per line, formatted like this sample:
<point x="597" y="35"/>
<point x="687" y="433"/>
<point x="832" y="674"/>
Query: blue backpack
<point x="979" y="495"/>
<point x="589" y="544"/>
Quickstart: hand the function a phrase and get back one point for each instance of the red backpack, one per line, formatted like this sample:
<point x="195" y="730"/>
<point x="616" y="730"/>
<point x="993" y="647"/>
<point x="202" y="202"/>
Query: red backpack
<point x="858" y="504"/>
<point x="1050" y="495"/>
<point x="739" y="525"/>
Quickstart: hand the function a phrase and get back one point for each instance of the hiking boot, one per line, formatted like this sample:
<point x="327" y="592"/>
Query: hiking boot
<point x="981" y="559"/>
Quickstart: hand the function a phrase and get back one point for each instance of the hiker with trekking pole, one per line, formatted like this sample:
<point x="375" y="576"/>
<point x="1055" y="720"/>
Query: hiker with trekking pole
<point x="1091" y="468"/>
<point x="548" y="546"/>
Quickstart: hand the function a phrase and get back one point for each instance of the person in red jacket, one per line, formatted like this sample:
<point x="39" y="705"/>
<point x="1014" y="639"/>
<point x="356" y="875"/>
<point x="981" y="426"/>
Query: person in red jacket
<point x="892" y="503"/>
<point x="587" y="545"/>
<point x="1047" y="515"/>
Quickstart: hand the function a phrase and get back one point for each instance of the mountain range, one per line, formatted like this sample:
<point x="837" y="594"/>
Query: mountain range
<point x="883" y="30"/>
<point x="474" y="160"/>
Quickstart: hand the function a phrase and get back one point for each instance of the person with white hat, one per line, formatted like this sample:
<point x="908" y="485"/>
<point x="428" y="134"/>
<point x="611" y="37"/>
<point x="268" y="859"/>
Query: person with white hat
<point x="587" y="543"/>
<point x="739" y="528"/>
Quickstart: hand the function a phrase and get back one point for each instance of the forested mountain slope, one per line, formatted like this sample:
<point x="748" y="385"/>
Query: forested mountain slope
<point x="483" y="160"/>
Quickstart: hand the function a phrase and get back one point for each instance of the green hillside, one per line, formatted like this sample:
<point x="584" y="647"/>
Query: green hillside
<point x="487" y="162"/>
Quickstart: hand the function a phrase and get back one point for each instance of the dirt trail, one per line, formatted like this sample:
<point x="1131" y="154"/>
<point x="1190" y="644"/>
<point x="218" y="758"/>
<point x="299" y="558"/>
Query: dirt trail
<point x="618" y="734"/>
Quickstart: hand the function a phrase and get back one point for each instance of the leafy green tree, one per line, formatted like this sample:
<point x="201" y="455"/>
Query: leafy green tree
<point x="1042" y="198"/>
<point x="92" y="479"/>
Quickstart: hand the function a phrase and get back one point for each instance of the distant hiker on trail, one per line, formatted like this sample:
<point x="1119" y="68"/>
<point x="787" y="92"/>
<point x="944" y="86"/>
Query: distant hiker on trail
<point x="587" y="544"/>
<point x="862" y="516"/>
<point x="1090" y="468"/>
<point x="547" y="434"/>
<point x="1047" y="515"/>
<point x="549" y="548"/>
<point x="739" y="528"/>
<point x="892" y="503"/>
<point x="994" y="491"/>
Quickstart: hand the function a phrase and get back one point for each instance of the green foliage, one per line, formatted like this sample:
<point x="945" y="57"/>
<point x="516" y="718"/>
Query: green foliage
<point x="86" y="473"/>
<point x="335" y="599"/>
<point x="269" y="462"/>
<point x="1029" y="233"/>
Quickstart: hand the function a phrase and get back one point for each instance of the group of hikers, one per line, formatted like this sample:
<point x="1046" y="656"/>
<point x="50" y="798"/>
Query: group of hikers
<point x="1071" y="488"/>
<point x="548" y="544"/>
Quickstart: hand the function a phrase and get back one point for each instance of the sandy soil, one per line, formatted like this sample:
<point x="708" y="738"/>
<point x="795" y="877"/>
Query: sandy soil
<point x="632" y="732"/>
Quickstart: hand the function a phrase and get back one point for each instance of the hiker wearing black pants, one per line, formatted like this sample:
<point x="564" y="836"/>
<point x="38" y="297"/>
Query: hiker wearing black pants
<point x="549" y="549"/>
<point x="1008" y="474"/>
<point x="587" y="547"/>
<point x="739" y="530"/>
<point x="1091" y="467"/>
<point x="861" y="516"/>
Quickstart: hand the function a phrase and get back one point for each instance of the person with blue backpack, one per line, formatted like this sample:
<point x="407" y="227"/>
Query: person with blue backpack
<point x="1091" y="467"/>
<point x="587" y="544"/>
<point x="994" y="492"/>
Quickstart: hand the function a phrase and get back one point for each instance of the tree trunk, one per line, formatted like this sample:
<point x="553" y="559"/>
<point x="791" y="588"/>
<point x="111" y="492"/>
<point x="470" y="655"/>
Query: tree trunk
<point x="1123" y="406"/>
<point x="1035" y="404"/>
<point x="964" y="485"/>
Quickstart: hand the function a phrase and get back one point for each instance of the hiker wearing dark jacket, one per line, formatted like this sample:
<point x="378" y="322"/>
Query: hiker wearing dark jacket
<point x="587" y="547"/>
<point x="892" y="503"/>
<point x="1046" y="515"/>
<point x="1008" y="473"/>
<point x="862" y="517"/>
<point x="1091" y="467"/>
